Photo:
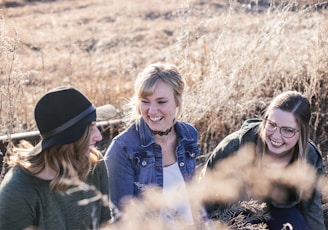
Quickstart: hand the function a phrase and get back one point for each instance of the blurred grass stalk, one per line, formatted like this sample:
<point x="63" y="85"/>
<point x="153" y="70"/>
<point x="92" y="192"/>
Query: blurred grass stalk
<point x="10" y="86"/>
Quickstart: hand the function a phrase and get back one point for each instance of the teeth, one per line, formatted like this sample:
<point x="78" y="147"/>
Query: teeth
<point x="155" y="118"/>
<point x="276" y="143"/>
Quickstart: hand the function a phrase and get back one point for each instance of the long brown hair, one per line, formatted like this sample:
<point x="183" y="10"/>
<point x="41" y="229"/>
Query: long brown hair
<point x="69" y="161"/>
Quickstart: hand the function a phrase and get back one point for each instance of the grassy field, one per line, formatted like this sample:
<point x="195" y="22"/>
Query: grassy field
<point x="234" y="55"/>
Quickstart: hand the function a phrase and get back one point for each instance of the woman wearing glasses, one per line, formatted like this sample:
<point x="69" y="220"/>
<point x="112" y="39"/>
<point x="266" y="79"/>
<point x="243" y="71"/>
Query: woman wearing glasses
<point x="280" y="140"/>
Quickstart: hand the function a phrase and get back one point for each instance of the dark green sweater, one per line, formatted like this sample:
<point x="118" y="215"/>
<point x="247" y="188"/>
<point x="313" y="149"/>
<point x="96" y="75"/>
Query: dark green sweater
<point x="27" y="201"/>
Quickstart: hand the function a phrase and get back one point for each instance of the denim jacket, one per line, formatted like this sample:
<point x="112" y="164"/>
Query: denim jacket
<point x="134" y="159"/>
<point x="311" y="209"/>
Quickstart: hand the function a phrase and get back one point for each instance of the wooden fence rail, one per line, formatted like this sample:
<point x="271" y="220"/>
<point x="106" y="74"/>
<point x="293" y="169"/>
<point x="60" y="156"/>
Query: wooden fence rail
<point x="108" y="129"/>
<point x="35" y="135"/>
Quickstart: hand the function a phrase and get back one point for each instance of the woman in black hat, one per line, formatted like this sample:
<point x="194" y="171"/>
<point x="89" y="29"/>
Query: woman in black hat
<point x="62" y="182"/>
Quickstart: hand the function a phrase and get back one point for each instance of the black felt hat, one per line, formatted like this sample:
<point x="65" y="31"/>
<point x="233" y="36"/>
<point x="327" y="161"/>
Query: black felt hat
<point x="62" y="116"/>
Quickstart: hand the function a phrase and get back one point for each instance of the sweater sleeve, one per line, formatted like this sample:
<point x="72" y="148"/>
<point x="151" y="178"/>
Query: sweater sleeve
<point x="104" y="189"/>
<point x="17" y="210"/>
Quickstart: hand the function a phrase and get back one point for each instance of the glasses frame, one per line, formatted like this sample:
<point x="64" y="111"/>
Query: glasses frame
<point x="280" y="127"/>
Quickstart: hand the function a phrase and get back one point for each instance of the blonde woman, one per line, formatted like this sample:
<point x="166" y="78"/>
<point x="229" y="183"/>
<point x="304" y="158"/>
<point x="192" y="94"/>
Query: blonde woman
<point x="157" y="149"/>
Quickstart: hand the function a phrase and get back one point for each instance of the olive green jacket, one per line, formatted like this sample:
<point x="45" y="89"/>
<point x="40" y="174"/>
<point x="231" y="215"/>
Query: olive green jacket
<point x="311" y="209"/>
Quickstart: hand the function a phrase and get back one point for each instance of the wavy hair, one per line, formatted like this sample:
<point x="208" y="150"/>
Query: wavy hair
<point x="69" y="161"/>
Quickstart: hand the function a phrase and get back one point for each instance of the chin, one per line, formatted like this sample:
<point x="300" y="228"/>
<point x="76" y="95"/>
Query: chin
<point x="277" y="152"/>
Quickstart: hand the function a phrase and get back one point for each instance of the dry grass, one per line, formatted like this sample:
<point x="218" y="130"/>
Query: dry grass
<point x="235" y="56"/>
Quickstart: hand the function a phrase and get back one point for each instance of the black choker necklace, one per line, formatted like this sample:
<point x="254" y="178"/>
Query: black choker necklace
<point x="162" y="133"/>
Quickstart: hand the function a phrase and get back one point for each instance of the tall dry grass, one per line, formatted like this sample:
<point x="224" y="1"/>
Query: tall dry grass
<point x="243" y="62"/>
<point x="235" y="56"/>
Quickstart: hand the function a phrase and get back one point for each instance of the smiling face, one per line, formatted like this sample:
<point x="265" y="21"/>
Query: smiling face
<point x="159" y="109"/>
<point x="278" y="145"/>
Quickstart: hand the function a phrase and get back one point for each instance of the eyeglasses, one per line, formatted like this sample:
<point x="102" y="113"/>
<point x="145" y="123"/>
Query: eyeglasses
<point x="287" y="132"/>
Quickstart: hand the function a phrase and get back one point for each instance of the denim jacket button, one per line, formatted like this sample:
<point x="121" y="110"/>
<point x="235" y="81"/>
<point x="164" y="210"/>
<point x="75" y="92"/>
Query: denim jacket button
<point x="181" y="164"/>
<point x="144" y="163"/>
<point x="192" y="155"/>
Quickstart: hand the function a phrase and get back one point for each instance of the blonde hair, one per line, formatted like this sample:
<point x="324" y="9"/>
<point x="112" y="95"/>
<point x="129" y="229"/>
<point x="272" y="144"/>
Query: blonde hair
<point x="147" y="81"/>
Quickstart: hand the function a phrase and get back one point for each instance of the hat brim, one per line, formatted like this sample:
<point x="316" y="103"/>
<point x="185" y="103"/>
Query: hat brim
<point x="65" y="137"/>
<point x="36" y="150"/>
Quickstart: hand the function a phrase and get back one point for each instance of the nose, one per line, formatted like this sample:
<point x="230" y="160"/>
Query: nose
<point x="152" y="109"/>
<point x="276" y="132"/>
<point x="97" y="135"/>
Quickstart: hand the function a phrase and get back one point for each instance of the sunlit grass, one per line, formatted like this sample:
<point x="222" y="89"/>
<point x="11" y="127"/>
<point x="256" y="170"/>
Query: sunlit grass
<point x="234" y="58"/>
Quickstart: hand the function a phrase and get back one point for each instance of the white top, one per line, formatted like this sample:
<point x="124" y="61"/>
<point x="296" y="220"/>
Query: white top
<point x="174" y="189"/>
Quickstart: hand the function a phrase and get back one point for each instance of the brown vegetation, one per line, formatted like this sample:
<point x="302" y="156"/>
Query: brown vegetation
<point x="235" y="55"/>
